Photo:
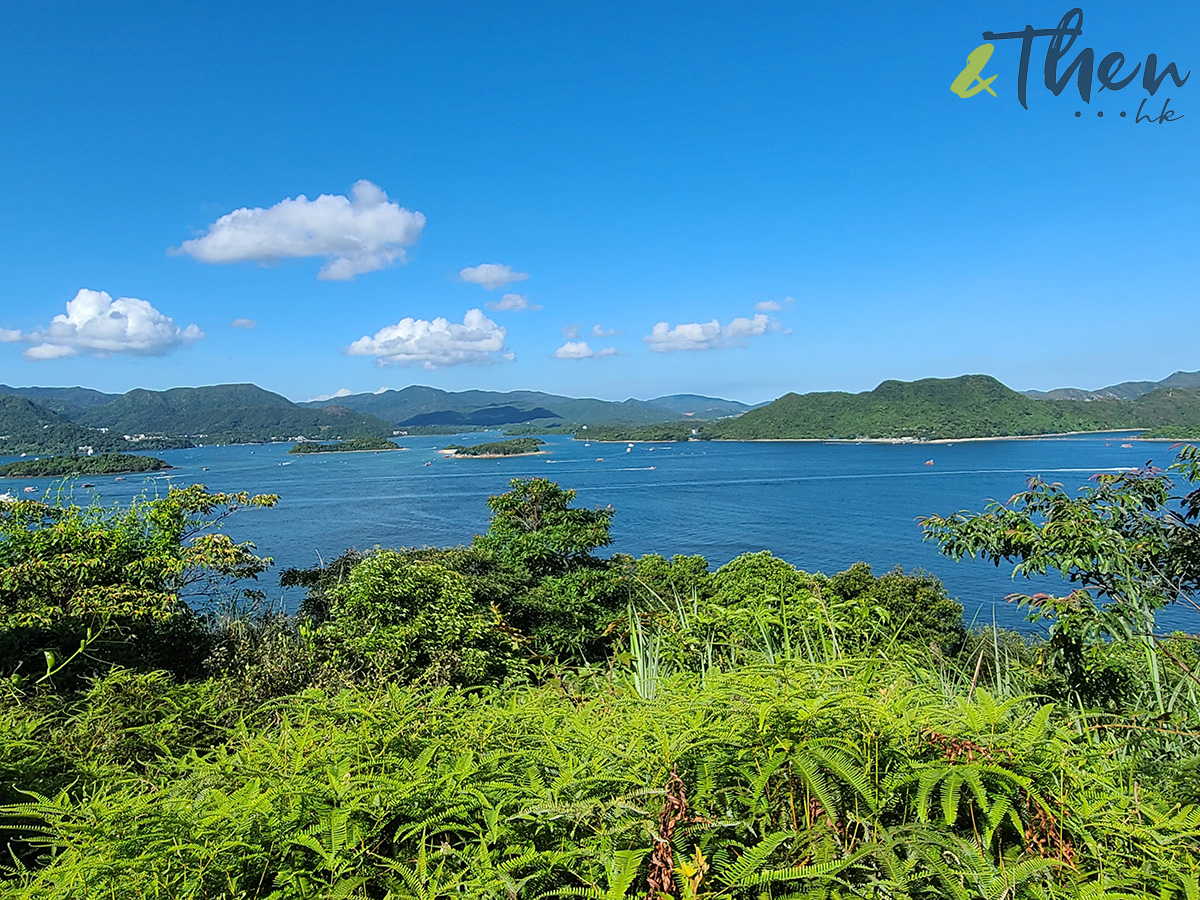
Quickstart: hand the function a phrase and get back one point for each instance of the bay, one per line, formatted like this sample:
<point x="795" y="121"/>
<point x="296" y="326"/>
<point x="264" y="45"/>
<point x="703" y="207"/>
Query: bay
<point x="821" y="506"/>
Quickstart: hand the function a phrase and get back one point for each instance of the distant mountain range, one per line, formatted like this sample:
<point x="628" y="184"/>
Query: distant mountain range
<point x="426" y="406"/>
<point x="1126" y="390"/>
<point x="63" y="420"/>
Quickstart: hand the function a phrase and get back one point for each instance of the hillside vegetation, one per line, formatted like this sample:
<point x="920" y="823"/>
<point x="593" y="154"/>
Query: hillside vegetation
<point x="357" y="445"/>
<point x="26" y="427"/>
<point x="523" y="717"/>
<point x="1126" y="390"/>
<point x="969" y="406"/>
<point x="228" y="413"/>
<point x="232" y="413"/>
<point x="514" y="447"/>
<point x="67" y="466"/>
<point x="420" y="406"/>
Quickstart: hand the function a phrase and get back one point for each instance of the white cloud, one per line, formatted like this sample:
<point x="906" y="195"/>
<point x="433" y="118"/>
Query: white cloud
<point x="597" y="331"/>
<point x="708" y="335"/>
<point x="361" y="233"/>
<point x="433" y="345"/>
<point x="581" y="350"/>
<point x="570" y="332"/>
<point x="246" y="324"/>
<point x="773" y="305"/>
<point x="340" y="392"/>
<point x="97" y="325"/>
<point x="491" y="275"/>
<point x="512" y="303"/>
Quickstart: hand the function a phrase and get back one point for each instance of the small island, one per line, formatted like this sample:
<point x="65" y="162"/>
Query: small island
<point x="496" y="449"/>
<point x="656" y="434"/>
<point x="358" y="445"/>
<point x="69" y="466"/>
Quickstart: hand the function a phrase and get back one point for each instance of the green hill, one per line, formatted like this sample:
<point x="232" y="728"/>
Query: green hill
<point x="1126" y="390"/>
<point x="229" y="413"/>
<point x="26" y="427"/>
<point x="69" y="401"/>
<point x="968" y="406"/>
<point x="1171" y="413"/>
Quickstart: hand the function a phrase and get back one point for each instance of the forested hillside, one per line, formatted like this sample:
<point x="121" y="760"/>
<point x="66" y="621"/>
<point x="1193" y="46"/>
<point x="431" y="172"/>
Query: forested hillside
<point x="232" y="413"/>
<point x="969" y="406"/>
<point x="425" y="406"/>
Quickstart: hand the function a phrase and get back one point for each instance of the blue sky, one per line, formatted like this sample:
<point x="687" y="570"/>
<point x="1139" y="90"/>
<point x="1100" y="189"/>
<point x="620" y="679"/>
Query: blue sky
<point x="676" y="163"/>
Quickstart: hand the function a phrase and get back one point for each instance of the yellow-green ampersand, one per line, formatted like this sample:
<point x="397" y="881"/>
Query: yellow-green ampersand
<point x="968" y="83"/>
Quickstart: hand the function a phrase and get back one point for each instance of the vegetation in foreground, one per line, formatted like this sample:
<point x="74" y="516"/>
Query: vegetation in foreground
<point x="521" y="717"/>
<point x="355" y="446"/>
<point x="514" y="447"/>
<point x="70" y="466"/>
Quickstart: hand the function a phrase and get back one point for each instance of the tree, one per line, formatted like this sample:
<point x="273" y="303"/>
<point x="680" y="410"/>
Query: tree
<point x="100" y="584"/>
<point x="534" y="526"/>
<point x="1129" y="541"/>
<point x="540" y="548"/>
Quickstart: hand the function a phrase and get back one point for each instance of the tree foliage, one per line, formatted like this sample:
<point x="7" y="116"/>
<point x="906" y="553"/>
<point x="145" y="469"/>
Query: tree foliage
<point x="1128" y="543"/>
<point x="78" y="582"/>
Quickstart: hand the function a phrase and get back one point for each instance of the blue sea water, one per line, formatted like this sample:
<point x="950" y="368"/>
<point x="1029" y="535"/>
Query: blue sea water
<point x="820" y="506"/>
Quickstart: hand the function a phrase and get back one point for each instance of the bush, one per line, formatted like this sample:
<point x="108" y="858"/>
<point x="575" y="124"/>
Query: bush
<point x="412" y="621"/>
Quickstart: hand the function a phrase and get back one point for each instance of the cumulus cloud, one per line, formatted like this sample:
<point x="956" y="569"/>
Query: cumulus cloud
<point x="360" y="233"/>
<point x="437" y="344"/>
<point x="97" y="325"/>
<point x="581" y="350"/>
<point x="570" y="332"/>
<point x="246" y="324"/>
<point x="491" y="275"/>
<point x="773" y="305"/>
<point x="597" y="331"/>
<point x="512" y="303"/>
<point x="708" y="335"/>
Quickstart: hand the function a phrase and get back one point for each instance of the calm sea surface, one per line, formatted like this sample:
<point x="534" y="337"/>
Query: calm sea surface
<point x="819" y="506"/>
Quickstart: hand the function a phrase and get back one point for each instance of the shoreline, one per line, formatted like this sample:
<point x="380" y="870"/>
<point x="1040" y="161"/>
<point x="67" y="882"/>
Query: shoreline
<point x="93" y="474"/>
<point x="901" y="441"/>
